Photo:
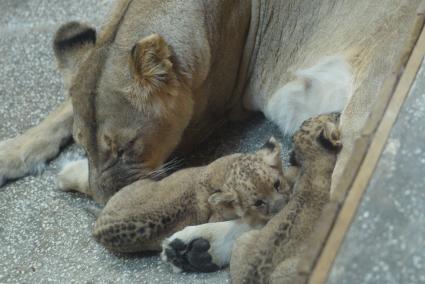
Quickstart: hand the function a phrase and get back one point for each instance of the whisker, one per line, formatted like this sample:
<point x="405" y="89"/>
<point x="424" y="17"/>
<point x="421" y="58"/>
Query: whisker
<point x="166" y="168"/>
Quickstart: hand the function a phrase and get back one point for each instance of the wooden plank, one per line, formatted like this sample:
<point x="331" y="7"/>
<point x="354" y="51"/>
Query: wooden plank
<point x="370" y="146"/>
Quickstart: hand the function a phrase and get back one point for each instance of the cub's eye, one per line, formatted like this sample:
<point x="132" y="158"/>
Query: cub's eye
<point x="276" y="185"/>
<point x="259" y="203"/>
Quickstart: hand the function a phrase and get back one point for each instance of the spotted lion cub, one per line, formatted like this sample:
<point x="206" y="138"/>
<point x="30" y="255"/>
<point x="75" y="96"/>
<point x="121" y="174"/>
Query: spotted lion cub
<point x="248" y="186"/>
<point x="271" y="255"/>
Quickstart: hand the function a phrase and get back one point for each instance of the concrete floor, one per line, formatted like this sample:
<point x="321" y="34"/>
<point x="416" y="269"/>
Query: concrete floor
<point x="44" y="233"/>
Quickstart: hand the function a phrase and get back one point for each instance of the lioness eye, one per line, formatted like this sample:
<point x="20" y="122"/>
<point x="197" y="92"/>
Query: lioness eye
<point x="259" y="203"/>
<point x="276" y="185"/>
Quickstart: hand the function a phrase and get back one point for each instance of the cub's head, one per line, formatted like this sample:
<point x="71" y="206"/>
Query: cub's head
<point x="130" y="104"/>
<point x="254" y="186"/>
<point x="318" y="137"/>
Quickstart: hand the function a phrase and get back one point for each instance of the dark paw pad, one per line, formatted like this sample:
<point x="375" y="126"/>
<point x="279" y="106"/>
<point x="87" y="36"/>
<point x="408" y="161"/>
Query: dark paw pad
<point x="192" y="257"/>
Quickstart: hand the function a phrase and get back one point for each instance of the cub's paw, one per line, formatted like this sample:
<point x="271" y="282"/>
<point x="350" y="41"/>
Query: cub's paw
<point x="194" y="249"/>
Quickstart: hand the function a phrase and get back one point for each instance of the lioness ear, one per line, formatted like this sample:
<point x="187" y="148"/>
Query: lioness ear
<point x="150" y="63"/>
<point x="71" y="41"/>
<point x="270" y="153"/>
<point x="330" y="137"/>
<point x="221" y="198"/>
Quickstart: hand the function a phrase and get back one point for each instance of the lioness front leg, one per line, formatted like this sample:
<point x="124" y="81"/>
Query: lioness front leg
<point x="202" y="248"/>
<point x="28" y="153"/>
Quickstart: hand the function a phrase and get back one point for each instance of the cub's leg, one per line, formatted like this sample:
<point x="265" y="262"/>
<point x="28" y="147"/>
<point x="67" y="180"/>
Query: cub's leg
<point x="125" y="225"/>
<point x="141" y="215"/>
<point x="127" y="234"/>
<point x="286" y="272"/>
<point x="74" y="177"/>
<point x="241" y="254"/>
<point x="28" y="153"/>
<point x="244" y="270"/>
<point x="202" y="248"/>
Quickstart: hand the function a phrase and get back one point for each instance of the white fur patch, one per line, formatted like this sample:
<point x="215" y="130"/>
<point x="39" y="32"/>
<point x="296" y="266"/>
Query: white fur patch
<point x="323" y="88"/>
<point x="220" y="235"/>
<point x="74" y="176"/>
<point x="69" y="157"/>
<point x="38" y="168"/>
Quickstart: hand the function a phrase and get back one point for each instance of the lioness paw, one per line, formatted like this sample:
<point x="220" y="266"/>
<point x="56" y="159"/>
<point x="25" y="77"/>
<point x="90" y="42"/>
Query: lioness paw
<point x="191" y="257"/>
<point x="74" y="176"/>
<point x="193" y="250"/>
<point x="202" y="248"/>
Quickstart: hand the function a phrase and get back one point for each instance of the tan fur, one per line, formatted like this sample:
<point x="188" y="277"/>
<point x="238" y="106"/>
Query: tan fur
<point x="212" y="62"/>
<point x="155" y="77"/>
<point x="141" y="215"/>
<point x="208" y="59"/>
<point x="28" y="152"/>
<point x="272" y="253"/>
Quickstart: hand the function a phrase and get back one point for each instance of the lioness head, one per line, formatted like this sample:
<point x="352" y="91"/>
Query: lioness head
<point x="254" y="186"/>
<point x="130" y="104"/>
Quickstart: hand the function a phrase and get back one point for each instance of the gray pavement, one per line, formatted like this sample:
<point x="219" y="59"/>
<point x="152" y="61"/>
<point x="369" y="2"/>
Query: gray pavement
<point x="44" y="233"/>
<point x="385" y="243"/>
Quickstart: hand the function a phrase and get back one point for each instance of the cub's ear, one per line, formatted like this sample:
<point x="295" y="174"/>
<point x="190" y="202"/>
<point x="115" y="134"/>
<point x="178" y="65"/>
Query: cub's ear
<point x="270" y="152"/>
<point x="330" y="137"/>
<point x="224" y="198"/>
<point x="150" y="63"/>
<point x="71" y="41"/>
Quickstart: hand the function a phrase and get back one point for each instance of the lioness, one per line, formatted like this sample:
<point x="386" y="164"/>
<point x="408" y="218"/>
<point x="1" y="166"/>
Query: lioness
<point x="162" y="74"/>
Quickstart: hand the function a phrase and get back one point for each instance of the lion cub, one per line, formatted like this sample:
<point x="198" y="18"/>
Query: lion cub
<point x="248" y="186"/>
<point x="271" y="255"/>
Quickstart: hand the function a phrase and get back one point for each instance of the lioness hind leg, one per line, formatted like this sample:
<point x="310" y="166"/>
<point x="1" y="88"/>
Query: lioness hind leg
<point x="28" y="153"/>
<point x="74" y="177"/>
